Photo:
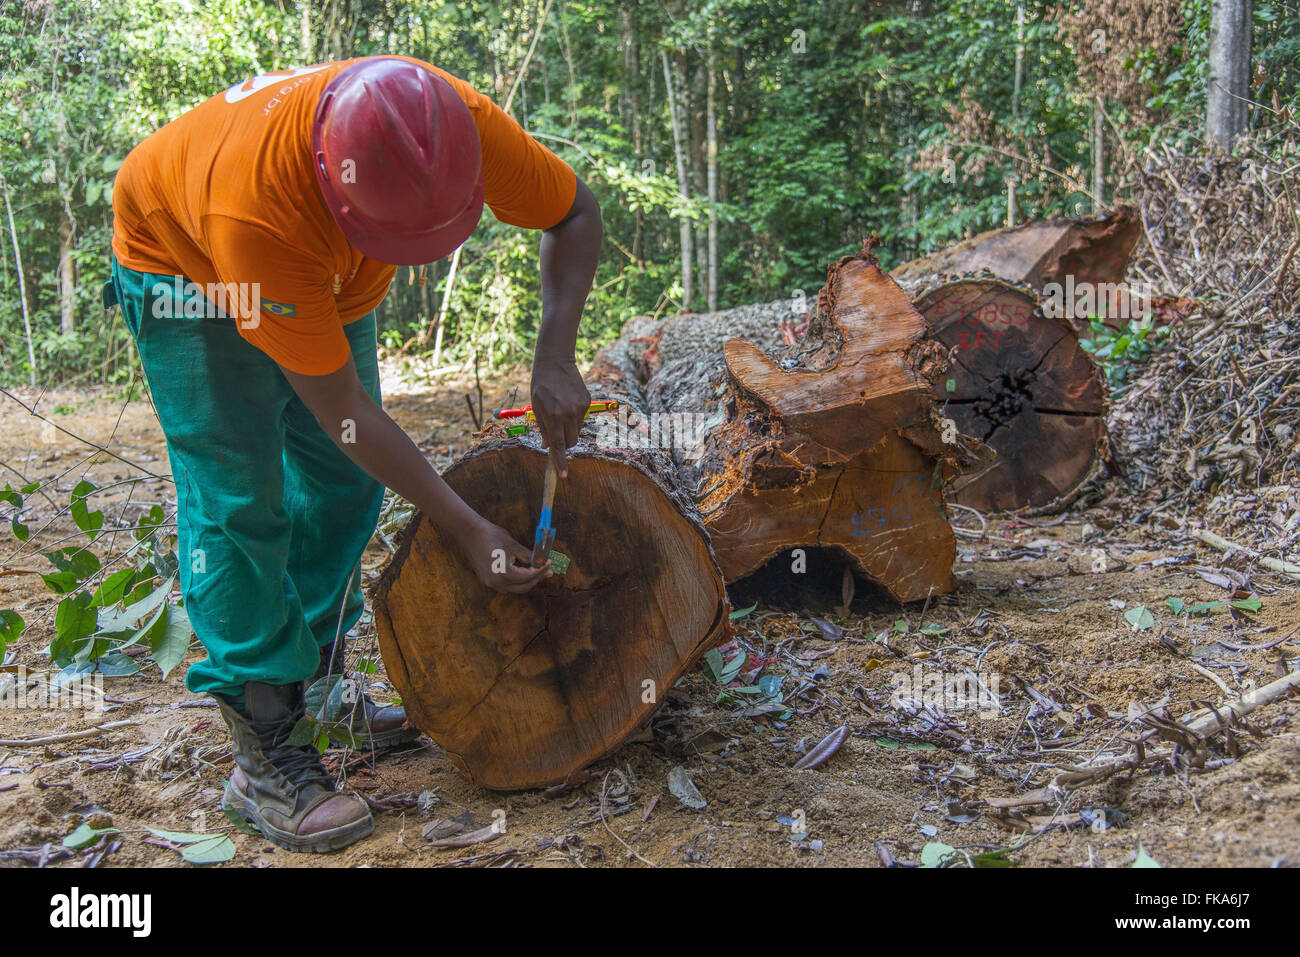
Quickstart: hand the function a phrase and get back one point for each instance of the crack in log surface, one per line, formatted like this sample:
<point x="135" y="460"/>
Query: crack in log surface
<point x="501" y="673"/>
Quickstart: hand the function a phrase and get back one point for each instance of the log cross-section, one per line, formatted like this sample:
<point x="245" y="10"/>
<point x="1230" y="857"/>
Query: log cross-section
<point x="526" y="690"/>
<point x="1020" y="383"/>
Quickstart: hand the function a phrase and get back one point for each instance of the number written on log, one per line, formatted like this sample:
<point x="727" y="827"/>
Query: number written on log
<point x="920" y="482"/>
<point x="990" y="314"/>
<point x="879" y="519"/>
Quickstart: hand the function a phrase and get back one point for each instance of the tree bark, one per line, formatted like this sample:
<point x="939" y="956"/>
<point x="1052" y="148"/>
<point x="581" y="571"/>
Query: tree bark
<point x="1098" y="156"/>
<point x="1226" y="113"/>
<point x="527" y="690"/>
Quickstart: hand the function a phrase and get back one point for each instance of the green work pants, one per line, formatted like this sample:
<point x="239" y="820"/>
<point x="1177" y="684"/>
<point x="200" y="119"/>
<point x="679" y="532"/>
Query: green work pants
<point x="272" y="518"/>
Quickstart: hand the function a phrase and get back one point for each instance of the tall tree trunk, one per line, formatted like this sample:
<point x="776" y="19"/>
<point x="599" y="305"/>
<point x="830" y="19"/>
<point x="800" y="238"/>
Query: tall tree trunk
<point x="632" y="110"/>
<point x="711" y="123"/>
<point x="1098" y="158"/>
<point x="1226" y="112"/>
<point x="1020" y="59"/>
<point x="441" y="319"/>
<point x="306" y="45"/>
<point x="22" y="286"/>
<point x="683" y="186"/>
<point x="696" y="103"/>
<point x="67" y="275"/>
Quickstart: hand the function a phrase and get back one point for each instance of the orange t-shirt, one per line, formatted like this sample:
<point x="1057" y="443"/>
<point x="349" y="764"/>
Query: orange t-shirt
<point x="227" y="193"/>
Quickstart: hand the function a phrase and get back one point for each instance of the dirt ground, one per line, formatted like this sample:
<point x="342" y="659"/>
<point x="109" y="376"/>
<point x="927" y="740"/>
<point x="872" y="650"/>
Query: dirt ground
<point x="1039" y="616"/>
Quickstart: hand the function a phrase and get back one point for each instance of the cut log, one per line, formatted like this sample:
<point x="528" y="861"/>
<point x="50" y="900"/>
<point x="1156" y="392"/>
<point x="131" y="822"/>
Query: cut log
<point x="527" y="690"/>
<point x="833" y="442"/>
<point x="1021" y="384"/>
<point x="1087" y="249"/>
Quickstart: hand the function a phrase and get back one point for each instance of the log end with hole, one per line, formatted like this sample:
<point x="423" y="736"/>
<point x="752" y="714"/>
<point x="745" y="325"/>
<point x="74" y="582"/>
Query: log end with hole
<point x="1022" y="384"/>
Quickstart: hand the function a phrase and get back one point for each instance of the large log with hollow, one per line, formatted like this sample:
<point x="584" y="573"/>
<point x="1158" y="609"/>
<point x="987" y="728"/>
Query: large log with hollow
<point x="833" y="441"/>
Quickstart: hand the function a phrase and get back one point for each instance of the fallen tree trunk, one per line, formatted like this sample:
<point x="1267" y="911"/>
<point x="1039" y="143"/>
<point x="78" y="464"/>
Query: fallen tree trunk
<point x="1091" y="250"/>
<point x="527" y="690"/>
<point x="1021" y="384"/>
<point x="839" y="447"/>
<point x="833" y="442"/>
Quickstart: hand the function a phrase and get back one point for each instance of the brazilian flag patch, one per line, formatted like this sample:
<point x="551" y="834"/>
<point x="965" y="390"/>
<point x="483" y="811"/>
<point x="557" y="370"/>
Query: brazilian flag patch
<point x="278" y="308"/>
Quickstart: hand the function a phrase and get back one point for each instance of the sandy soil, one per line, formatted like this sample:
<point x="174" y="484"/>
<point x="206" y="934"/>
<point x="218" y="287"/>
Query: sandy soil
<point x="1031" y="614"/>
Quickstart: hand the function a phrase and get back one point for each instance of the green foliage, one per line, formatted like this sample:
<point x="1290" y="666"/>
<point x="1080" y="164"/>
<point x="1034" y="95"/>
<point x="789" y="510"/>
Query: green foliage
<point x="103" y="613"/>
<point x="834" y="122"/>
<point x="1119" y="351"/>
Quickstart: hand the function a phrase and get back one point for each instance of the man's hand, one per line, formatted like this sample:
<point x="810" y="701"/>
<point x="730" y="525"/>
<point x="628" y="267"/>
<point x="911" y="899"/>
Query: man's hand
<point x="492" y="553"/>
<point x="560" y="403"/>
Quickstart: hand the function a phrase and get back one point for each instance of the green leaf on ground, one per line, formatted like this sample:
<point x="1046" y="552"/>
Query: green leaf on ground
<point x="936" y="853"/>
<point x="732" y="668"/>
<point x="1144" y="859"/>
<point x="200" y="848"/>
<point x="1140" y="618"/>
<point x="234" y="818"/>
<point x="713" y="661"/>
<point x="85" y="835"/>
<point x="742" y="612"/>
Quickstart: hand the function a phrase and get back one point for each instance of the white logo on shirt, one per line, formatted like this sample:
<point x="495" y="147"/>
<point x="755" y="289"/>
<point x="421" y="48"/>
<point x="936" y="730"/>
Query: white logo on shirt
<point x="242" y="91"/>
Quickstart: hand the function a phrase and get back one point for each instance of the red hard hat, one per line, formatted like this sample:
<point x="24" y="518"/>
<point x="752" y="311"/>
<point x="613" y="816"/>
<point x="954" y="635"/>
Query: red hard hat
<point x="398" y="161"/>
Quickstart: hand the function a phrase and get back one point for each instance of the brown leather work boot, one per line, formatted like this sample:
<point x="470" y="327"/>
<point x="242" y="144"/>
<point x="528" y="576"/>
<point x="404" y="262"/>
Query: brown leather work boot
<point x="371" y="726"/>
<point x="282" y="789"/>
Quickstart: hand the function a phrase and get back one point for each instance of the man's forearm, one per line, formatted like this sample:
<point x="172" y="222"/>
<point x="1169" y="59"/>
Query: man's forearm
<point x="569" y="253"/>
<point x="377" y="444"/>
